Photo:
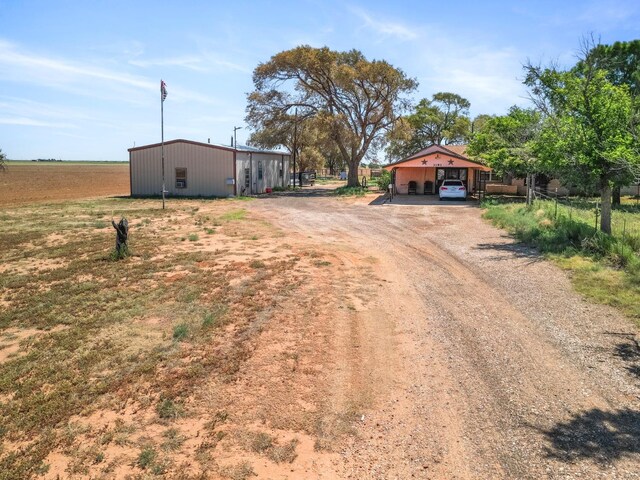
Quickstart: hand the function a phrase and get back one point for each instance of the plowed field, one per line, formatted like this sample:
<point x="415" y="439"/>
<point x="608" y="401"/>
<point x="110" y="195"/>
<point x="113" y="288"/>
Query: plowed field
<point x="43" y="183"/>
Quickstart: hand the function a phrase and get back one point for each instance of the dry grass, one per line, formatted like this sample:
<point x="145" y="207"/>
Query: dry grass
<point x="122" y="363"/>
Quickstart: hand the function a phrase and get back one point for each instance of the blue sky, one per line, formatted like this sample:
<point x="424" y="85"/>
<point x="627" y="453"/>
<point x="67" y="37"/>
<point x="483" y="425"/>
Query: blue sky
<point x="80" y="79"/>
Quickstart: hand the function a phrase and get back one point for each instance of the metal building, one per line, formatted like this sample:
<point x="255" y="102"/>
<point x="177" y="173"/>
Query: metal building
<point x="195" y="169"/>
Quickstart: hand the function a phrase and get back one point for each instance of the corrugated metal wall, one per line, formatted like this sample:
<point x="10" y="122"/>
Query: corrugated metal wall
<point x="272" y="165"/>
<point x="207" y="170"/>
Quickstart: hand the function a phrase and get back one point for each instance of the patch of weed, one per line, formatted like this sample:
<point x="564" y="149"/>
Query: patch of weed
<point x="167" y="409"/>
<point x="240" y="471"/>
<point x="146" y="458"/>
<point x="180" y="332"/>
<point x="261" y="442"/>
<point x="257" y="264"/>
<point x="283" y="453"/>
<point x="173" y="439"/>
<point x="234" y="215"/>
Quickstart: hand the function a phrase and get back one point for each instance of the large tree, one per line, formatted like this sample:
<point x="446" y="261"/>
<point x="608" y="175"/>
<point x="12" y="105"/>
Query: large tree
<point x="588" y="129"/>
<point x="305" y="138"/>
<point x="442" y="120"/>
<point x="356" y="100"/>
<point x="621" y="60"/>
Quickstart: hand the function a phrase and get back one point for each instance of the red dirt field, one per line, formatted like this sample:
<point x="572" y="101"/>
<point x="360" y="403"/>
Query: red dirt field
<point x="43" y="183"/>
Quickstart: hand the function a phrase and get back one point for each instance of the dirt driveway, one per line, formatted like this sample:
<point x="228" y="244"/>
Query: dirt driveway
<point x="475" y="358"/>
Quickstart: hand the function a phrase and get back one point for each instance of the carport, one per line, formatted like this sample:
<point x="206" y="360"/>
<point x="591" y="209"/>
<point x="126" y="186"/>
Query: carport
<point x="424" y="172"/>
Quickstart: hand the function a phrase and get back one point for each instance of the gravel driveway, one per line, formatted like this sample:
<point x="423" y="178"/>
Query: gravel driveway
<point x="499" y="369"/>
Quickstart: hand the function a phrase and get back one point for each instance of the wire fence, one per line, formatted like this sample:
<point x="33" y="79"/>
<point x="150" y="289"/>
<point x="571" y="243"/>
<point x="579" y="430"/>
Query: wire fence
<point x="625" y="218"/>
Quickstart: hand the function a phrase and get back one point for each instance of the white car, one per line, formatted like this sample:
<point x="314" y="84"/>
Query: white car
<point x="452" y="189"/>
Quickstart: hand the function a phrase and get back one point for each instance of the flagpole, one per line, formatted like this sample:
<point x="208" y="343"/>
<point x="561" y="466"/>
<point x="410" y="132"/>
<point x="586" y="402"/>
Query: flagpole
<point x="162" y="136"/>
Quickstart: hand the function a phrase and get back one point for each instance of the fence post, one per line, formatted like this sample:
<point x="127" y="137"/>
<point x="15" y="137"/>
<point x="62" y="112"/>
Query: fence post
<point x="556" y="214"/>
<point x="596" y="225"/>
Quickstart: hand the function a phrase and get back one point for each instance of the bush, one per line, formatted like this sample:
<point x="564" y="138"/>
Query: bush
<point x="384" y="180"/>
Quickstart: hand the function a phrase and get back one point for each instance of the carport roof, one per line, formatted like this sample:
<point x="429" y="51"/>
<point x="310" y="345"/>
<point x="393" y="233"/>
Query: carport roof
<point x="438" y="149"/>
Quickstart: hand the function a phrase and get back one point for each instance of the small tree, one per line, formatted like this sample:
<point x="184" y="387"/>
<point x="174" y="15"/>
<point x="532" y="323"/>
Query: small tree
<point x="621" y="61"/>
<point x="588" y="130"/>
<point x="507" y="144"/>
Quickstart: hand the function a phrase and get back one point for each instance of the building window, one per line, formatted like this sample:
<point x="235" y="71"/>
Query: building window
<point x="259" y="169"/>
<point x="280" y="173"/>
<point x="247" y="177"/>
<point x="181" y="178"/>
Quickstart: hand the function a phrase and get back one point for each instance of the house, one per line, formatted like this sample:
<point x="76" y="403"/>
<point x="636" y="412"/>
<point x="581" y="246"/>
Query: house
<point x="433" y="165"/>
<point x="195" y="169"/>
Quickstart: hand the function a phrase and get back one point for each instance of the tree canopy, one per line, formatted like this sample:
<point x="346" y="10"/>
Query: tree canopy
<point x="507" y="142"/>
<point x="354" y="99"/>
<point x="588" y="130"/>
<point x="442" y="120"/>
<point x="621" y="60"/>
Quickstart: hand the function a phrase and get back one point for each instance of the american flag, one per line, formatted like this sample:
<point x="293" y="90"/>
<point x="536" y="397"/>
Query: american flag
<point x="163" y="90"/>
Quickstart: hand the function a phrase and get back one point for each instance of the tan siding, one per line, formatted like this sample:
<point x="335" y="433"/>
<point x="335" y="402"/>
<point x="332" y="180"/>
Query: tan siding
<point x="207" y="170"/>
<point x="271" y="164"/>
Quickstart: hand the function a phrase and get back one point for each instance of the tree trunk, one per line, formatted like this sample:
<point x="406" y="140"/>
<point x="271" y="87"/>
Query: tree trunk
<point x="352" y="178"/>
<point x="605" y="213"/>
<point x="616" y="195"/>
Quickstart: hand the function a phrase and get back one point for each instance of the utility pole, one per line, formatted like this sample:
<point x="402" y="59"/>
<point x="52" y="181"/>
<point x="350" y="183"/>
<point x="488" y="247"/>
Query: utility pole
<point x="235" y="140"/>
<point x="295" y="145"/>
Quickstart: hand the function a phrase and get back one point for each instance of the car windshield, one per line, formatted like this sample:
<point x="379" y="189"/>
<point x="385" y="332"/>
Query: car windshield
<point x="457" y="183"/>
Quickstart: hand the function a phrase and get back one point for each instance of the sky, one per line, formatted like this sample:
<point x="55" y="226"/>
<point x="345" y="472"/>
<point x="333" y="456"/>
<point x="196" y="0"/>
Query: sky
<point x="79" y="80"/>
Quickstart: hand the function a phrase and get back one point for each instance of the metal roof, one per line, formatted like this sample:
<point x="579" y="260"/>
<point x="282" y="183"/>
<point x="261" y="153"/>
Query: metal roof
<point x="241" y="148"/>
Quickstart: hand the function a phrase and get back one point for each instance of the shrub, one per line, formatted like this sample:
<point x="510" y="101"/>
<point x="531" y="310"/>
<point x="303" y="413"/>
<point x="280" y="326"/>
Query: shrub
<point x="384" y="180"/>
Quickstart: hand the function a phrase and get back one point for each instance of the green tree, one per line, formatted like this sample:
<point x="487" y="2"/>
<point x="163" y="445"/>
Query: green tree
<point x="306" y="136"/>
<point x="588" y="130"/>
<point x="506" y="143"/>
<point x="356" y="100"/>
<point x="442" y="120"/>
<point x="478" y="123"/>
<point x="621" y="60"/>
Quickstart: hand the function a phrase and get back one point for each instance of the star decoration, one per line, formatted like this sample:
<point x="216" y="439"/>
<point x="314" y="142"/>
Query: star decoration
<point x="424" y="162"/>
<point x="450" y="162"/>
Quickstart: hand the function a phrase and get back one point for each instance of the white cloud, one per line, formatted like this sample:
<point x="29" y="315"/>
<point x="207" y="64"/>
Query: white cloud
<point x="31" y="122"/>
<point x="189" y="62"/>
<point x="85" y="79"/>
<point x="384" y="27"/>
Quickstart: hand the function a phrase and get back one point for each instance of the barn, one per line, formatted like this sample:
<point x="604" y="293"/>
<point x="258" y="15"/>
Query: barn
<point x="195" y="169"/>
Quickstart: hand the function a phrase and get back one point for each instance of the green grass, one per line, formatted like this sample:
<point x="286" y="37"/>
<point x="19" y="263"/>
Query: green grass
<point x="234" y="215"/>
<point x="605" y="268"/>
<point x="350" y="191"/>
<point x="180" y="332"/>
